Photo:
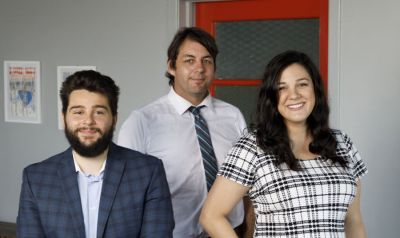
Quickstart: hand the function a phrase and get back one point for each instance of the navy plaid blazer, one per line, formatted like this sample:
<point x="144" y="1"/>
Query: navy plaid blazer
<point x="135" y="199"/>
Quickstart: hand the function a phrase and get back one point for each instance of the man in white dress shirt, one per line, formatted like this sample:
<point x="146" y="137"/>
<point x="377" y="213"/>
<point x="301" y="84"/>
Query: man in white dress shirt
<point x="166" y="129"/>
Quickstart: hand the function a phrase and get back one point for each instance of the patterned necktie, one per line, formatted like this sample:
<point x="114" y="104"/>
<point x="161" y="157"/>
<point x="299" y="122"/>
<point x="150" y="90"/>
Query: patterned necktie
<point x="207" y="151"/>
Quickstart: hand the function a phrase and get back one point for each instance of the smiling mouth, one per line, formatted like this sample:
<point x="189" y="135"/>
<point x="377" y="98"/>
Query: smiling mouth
<point x="86" y="130"/>
<point x="296" y="106"/>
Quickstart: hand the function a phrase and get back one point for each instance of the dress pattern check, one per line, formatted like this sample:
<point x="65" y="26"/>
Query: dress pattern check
<point x="207" y="151"/>
<point x="309" y="203"/>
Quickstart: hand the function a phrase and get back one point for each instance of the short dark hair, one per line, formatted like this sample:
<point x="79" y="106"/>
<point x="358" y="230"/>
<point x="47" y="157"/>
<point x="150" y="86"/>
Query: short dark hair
<point x="269" y="127"/>
<point x="92" y="81"/>
<point x="195" y="34"/>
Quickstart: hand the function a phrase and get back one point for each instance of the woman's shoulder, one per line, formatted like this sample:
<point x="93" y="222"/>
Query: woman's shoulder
<point x="337" y="132"/>
<point x="340" y="136"/>
<point x="248" y="138"/>
<point x="344" y="143"/>
<point x="249" y="143"/>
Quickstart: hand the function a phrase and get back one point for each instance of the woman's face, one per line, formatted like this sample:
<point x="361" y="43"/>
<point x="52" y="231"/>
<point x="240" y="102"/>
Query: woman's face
<point x="296" y="95"/>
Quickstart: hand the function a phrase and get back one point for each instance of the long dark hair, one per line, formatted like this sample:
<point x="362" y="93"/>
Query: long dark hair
<point x="269" y="127"/>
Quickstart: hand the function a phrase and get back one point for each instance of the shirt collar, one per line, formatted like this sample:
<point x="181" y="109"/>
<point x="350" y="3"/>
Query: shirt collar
<point x="78" y="169"/>
<point x="181" y="105"/>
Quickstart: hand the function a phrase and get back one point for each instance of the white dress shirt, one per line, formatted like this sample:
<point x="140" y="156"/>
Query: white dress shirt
<point x="166" y="129"/>
<point x="90" y="192"/>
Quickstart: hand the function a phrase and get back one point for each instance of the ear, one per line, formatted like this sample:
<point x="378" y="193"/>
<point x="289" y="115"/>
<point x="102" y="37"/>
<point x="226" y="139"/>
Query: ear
<point x="115" y="119"/>
<point x="171" y="70"/>
<point x="62" y="120"/>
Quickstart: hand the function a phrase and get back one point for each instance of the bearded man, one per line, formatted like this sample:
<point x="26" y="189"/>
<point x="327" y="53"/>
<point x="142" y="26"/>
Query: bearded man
<point x="94" y="188"/>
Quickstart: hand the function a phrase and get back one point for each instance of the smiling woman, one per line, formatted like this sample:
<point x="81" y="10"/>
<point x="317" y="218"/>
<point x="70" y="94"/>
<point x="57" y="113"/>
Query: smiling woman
<point x="291" y="164"/>
<point x="296" y="95"/>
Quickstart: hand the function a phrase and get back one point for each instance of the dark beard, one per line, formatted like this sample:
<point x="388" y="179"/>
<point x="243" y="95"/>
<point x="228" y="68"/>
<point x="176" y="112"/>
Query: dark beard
<point x="92" y="150"/>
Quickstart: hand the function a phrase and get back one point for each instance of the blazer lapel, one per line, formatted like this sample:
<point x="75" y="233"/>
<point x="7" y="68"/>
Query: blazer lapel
<point x="69" y="182"/>
<point x="112" y="178"/>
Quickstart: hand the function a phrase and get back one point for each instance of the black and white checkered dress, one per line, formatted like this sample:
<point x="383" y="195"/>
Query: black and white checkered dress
<point x="309" y="203"/>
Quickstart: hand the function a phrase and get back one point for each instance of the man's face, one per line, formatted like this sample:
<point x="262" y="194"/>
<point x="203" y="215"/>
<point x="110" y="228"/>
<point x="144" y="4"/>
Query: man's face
<point x="194" y="71"/>
<point x="89" y="124"/>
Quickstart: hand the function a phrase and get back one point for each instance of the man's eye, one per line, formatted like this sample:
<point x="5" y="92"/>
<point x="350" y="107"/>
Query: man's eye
<point x="189" y="61"/>
<point x="208" y="61"/>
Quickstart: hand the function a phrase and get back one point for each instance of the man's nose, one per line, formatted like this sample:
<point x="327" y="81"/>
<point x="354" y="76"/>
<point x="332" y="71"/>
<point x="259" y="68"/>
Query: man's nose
<point x="89" y="119"/>
<point x="199" y="66"/>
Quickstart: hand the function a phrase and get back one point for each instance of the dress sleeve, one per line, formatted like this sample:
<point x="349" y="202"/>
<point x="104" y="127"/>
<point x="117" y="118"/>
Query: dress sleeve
<point x="356" y="164"/>
<point x="240" y="163"/>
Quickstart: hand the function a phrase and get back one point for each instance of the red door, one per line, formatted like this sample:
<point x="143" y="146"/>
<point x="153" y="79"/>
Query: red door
<point x="250" y="32"/>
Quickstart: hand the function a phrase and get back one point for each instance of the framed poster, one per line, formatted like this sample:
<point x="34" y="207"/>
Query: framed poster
<point x="22" y="91"/>
<point x="62" y="73"/>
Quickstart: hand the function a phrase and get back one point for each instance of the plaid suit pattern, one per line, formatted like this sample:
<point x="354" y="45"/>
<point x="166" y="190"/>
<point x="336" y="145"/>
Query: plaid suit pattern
<point x="135" y="199"/>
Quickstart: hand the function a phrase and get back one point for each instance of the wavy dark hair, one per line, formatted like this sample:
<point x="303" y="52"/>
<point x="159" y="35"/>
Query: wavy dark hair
<point x="92" y="81"/>
<point x="194" y="34"/>
<point x="269" y="127"/>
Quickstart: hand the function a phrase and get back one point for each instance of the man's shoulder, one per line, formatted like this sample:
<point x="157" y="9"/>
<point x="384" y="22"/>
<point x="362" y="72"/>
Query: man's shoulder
<point x="152" y="109"/>
<point x="224" y="107"/>
<point x="223" y="104"/>
<point x="133" y="156"/>
<point x="161" y="102"/>
<point x="47" y="165"/>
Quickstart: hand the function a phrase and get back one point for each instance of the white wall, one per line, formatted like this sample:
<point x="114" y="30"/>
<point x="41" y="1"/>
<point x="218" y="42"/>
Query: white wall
<point x="365" y="91"/>
<point x="128" y="39"/>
